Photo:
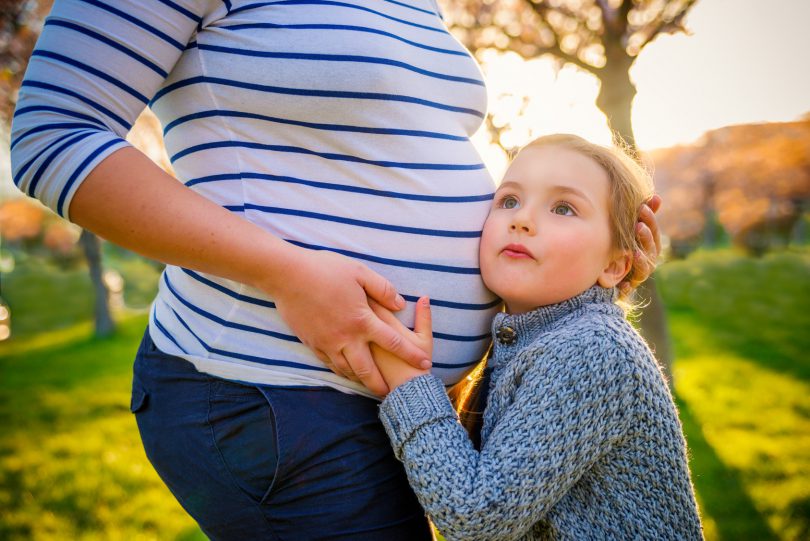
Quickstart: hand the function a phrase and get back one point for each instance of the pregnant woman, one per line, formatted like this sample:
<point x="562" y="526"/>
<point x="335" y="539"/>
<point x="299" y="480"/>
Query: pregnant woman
<point x="323" y="154"/>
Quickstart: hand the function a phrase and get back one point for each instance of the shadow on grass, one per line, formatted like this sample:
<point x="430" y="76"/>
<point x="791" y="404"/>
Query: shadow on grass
<point x="715" y="335"/>
<point x="722" y="494"/>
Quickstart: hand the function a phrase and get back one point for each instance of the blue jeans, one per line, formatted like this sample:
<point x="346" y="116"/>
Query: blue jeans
<point x="262" y="462"/>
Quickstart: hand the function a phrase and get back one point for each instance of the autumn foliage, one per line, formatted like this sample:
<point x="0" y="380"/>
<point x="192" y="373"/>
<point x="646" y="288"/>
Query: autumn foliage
<point x="753" y="179"/>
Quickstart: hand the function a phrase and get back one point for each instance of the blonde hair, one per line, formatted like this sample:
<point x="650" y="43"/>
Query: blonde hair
<point x="630" y="185"/>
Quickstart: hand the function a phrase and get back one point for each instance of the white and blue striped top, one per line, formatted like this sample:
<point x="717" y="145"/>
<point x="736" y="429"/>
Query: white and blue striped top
<point x="337" y="125"/>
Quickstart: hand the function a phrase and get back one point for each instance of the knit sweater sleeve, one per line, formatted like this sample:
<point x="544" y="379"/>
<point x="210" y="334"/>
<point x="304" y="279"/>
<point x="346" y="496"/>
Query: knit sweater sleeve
<point x="567" y="412"/>
<point x="95" y="67"/>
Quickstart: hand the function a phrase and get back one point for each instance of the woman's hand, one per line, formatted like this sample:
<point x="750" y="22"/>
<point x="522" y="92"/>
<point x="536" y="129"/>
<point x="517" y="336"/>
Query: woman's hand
<point x="325" y="301"/>
<point x="394" y="370"/>
<point x="649" y="237"/>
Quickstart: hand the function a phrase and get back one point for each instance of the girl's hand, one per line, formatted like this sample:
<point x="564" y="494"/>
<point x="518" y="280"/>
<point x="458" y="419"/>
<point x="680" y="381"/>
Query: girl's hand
<point x="649" y="237"/>
<point x="325" y="301"/>
<point x="394" y="370"/>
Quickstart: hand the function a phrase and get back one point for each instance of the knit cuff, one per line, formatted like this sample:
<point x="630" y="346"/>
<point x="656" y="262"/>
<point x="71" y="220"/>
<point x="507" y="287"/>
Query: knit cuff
<point x="412" y="405"/>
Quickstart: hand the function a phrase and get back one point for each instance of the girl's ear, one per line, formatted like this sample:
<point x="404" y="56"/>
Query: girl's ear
<point x="616" y="269"/>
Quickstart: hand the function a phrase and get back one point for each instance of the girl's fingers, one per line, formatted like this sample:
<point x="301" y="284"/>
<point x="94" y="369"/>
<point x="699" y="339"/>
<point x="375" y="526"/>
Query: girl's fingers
<point x="423" y="324"/>
<point x="395" y="342"/>
<point x="387" y="317"/>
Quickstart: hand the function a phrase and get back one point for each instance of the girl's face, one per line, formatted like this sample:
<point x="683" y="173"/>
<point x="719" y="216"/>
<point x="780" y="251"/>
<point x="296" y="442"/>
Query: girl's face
<point x="547" y="237"/>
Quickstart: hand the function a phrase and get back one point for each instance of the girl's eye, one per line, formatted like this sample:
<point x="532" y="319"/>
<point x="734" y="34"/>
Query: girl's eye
<point x="509" y="202"/>
<point x="563" y="209"/>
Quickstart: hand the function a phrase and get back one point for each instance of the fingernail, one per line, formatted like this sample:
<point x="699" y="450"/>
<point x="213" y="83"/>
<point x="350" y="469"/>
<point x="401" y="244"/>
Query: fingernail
<point x="400" y="302"/>
<point x="425" y="364"/>
<point x="426" y="301"/>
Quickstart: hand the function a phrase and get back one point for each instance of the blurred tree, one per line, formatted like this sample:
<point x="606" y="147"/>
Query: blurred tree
<point x="20" y="25"/>
<point x="602" y="37"/>
<point x="751" y="181"/>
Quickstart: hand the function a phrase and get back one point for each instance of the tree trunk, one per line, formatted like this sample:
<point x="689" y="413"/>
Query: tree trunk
<point x="615" y="99"/>
<point x="91" y="246"/>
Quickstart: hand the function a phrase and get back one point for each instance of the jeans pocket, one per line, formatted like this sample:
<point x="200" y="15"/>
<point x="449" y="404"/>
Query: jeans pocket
<point x="138" y="400"/>
<point x="243" y="427"/>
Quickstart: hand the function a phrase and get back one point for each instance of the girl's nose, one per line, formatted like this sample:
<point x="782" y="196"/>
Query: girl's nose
<point x="522" y="222"/>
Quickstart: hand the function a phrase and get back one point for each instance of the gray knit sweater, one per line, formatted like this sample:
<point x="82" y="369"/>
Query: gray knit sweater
<point x="581" y="439"/>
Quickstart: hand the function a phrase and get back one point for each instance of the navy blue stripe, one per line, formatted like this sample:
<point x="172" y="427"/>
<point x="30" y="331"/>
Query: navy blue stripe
<point x="91" y="103"/>
<point x="228" y="5"/>
<point x="410" y="7"/>
<point x="52" y="156"/>
<point x="245" y="357"/>
<point x="166" y="333"/>
<point x="456" y="305"/>
<point x="188" y="328"/>
<point x="457" y="338"/>
<point x="137" y="22"/>
<point x="46" y="127"/>
<point x="269" y="304"/>
<point x="392" y="262"/>
<point x="359" y="223"/>
<point x="78" y="171"/>
<point x="60" y="110"/>
<point x="350" y="28"/>
<point x="341" y="58"/>
<point x="315" y="93"/>
<point x="441" y="336"/>
<point x="225" y="323"/>
<point x="230" y="293"/>
<point x="343" y="188"/>
<point x="326" y="155"/>
<point x="264" y="360"/>
<point x="114" y="44"/>
<point x="17" y="178"/>
<point x="338" y="4"/>
<point x="181" y="9"/>
<point x="90" y="69"/>
<point x="460" y="365"/>
<point x="313" y="125"/>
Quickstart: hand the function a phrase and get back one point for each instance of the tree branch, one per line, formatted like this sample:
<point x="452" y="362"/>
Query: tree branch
<point x="671" y="26"/>
<point x="570" y="58"/>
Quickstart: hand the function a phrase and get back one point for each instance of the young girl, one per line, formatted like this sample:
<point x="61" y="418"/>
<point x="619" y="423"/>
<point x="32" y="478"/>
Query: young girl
<point x="581" y="439"/>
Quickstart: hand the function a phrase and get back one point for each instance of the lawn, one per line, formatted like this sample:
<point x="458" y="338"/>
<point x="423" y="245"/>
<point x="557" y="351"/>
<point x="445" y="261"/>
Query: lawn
<point x="71" y="465"/>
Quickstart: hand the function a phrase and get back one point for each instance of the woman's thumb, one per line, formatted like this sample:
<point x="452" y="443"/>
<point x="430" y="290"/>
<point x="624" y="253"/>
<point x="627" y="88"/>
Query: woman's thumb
<point x="422" y="324"/>
<point x="381" y="290"/>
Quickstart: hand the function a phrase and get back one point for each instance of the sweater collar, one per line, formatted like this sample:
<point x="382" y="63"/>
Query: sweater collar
<point x="513" y="332"/>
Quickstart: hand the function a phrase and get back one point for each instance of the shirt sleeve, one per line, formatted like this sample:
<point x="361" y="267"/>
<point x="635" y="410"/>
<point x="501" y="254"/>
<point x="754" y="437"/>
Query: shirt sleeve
<point x="94" y="69"/>
<point x="562" y="420"/>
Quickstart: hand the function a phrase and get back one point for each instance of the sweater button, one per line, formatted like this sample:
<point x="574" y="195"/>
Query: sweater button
<point x="506" y="335"/>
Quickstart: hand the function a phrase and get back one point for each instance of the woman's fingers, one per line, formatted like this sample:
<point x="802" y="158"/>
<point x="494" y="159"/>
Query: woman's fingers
<point x="648" y="234"/>
<point x="364" y="368"/>
<point x="655" y="202"/>
<point x="389" y="339"/>
<point x="381" y="290"/>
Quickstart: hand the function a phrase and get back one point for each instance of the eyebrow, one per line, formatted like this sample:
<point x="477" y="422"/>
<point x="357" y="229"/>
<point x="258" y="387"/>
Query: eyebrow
<point x="575" y="191"/>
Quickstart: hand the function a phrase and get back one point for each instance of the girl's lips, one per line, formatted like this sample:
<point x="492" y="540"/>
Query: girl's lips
<point x="517" y="251"/>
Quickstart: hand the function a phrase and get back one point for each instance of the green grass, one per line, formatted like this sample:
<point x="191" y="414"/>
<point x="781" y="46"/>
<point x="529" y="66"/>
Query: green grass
<point x="72" y="467"/>
<point x="742" y="379"/>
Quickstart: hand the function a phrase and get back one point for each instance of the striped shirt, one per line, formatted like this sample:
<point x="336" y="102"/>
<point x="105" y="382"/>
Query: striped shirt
<point x="335" y="125"/>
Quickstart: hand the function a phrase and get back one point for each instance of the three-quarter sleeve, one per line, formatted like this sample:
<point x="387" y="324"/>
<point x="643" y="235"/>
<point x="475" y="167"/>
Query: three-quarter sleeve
<point x="94" y="69"/>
